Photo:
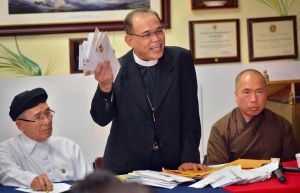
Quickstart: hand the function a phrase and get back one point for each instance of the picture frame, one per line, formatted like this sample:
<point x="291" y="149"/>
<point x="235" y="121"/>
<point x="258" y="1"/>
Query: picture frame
<point x="213" y="4"/>
<point x="71" y="22"/>
<point x="74" y="54"/>
<point x="272" y="38"/>
<point x="215" y="41"/>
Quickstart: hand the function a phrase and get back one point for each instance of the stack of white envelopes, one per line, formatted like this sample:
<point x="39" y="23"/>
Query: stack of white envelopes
<point x="159" y="179"/>
<point x="95" y="50"/>
<point x="236" y="175"/>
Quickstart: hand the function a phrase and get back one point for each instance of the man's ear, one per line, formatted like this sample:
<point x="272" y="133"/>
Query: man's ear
<point x="20" y="125"/>
<point x="235" y="96"/>
<point x="128" y="40"/>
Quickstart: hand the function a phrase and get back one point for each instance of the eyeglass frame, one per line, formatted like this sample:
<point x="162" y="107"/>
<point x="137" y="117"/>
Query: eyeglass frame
<point x="148" y="34"/>
<point x="39" y="119"/>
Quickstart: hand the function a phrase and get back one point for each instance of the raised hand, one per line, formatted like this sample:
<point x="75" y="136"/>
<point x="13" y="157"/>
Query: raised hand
<point x="104" y="76"/>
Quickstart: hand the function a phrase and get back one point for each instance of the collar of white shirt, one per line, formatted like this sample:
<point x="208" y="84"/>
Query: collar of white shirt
<point x="29" y="144"/>
<point x="145" y="63"/>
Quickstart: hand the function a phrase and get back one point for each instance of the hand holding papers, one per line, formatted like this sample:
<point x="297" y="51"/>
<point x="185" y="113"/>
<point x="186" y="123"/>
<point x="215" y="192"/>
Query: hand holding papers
<point x="96" y="50"/>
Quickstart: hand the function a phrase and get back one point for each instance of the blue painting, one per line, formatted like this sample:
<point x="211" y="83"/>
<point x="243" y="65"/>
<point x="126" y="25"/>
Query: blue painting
<point x="49" y="6"/>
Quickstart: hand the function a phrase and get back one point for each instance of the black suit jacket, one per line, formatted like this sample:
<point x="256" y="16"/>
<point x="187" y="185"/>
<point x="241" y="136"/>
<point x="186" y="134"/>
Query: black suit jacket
<point x="129" y="144"/>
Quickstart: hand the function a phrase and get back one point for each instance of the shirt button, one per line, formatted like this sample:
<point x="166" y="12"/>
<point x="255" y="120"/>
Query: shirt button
<point x="63" y="170"/>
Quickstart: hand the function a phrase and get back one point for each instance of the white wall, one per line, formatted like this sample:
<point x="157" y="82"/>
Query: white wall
<point x="70" y="96"/>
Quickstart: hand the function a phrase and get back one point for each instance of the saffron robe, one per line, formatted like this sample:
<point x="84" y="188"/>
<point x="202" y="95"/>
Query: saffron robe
<point x="265" y="136"/>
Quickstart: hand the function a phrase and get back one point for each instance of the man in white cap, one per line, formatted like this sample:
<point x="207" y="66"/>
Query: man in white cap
<point x="34" y="158"/>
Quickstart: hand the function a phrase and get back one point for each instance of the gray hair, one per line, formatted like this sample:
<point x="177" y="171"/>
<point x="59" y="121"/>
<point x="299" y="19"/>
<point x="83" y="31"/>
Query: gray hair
<point x="130" y="15"/>
<point x="23" y="115"/>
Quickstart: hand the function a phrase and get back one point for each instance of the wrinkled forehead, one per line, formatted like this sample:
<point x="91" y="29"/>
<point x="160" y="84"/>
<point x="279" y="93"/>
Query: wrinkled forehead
<point x="41" y="107"/>
<point x="141" y="19"/>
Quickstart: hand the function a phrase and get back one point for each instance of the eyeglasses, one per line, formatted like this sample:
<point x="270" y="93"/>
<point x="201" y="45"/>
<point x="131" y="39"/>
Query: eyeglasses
<point x="46" y="115"/>
<point x="147" y="35"/>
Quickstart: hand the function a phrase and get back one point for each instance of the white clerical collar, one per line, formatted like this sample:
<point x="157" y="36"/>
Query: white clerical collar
<point x="143" y="62"/>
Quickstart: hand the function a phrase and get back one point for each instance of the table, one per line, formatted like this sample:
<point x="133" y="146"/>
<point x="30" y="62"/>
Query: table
<point x="272" y="185"/>
<point x="178" y="189"/>
<point x="292" y="184"/>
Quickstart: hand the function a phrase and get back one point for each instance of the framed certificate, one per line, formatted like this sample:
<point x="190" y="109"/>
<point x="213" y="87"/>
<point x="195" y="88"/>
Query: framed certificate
<point x="272" y="38"/>
<point x="215" y="41"/>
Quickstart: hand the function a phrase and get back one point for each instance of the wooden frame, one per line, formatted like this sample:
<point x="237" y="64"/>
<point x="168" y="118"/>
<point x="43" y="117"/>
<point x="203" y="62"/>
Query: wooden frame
<point x="272" y="38"/>
<point x="215" y="41"/>
<point x="74" y="24"/>
<point x="213" y="4"/>
<point x="74" y="54"/>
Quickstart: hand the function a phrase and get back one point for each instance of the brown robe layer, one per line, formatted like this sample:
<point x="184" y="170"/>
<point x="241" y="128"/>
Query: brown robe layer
<point x="265" y="136"/>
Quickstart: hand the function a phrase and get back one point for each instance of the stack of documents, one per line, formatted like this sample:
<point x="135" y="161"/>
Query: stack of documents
<point x="236" y="175"/>
<point x="158" y="179"/>
<point x="95" y="50"/>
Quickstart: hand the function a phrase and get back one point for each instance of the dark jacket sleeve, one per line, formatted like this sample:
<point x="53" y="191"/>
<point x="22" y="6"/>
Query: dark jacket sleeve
<point x="191" y="128"/>
<point x="102" y="107"/>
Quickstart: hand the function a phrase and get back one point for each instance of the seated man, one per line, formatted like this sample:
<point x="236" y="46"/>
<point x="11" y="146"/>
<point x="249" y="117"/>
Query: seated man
<point x="34" y="158"/>
<point x="250" y="131"/>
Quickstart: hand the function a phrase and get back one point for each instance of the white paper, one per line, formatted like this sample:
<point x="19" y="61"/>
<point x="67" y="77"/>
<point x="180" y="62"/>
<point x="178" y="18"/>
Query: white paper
<point x="228" y="176"/>
<point x="95" y="50"/>
<point x="57" y="188"/>
<point x="236" y="175"/>
<point x="153" y="174"/>
<point x="162" y="176"/>
<point x="206" y="181"/>
<point x="180" y="179"/>
<point x="160" y="179"/>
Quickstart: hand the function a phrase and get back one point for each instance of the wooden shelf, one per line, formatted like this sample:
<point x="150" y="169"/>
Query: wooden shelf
<point x="284" y="99"/>
<point x="284" y="91"/>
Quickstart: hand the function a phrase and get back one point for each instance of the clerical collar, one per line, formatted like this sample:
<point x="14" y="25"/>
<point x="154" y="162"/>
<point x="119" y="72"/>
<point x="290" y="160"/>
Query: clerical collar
<point x="143" y="62"/>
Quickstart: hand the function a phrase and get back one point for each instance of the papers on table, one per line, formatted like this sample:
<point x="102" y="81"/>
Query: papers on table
<point x="236" y="175"/>
<point x="244" y="163"/>
<point x="154" y="178"/>
<point x="57" y="188"/>
<point x="95" y="50"/>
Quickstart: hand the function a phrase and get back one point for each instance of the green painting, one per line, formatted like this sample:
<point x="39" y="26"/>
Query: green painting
<point x="17" y="64"/>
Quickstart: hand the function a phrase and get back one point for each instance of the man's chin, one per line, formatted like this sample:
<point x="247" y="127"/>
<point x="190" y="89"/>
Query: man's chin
<point x="253" y="114"/>
<point x="47" y="133"/>
<point x="156" y="56"/>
